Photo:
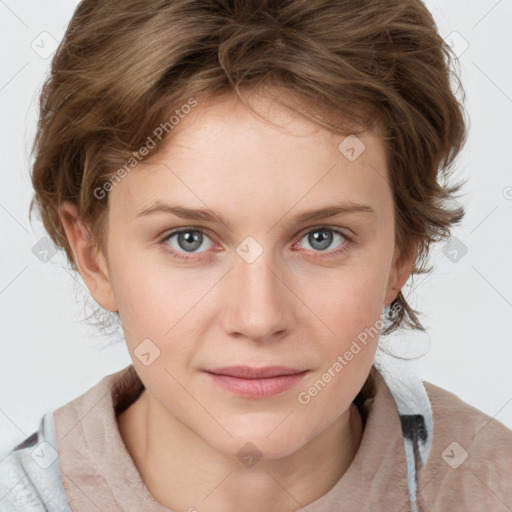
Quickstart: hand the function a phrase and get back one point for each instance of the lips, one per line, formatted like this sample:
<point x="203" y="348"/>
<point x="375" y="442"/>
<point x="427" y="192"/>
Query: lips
<point x="256" y="383"/>
<point x="248" y="372"/>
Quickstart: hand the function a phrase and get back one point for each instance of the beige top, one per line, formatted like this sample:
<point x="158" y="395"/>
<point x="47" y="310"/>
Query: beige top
<point x="99" y="474"/>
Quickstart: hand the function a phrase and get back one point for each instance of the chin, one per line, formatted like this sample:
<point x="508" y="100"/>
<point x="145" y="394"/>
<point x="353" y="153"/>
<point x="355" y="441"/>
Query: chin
<point x="257" y="443"/>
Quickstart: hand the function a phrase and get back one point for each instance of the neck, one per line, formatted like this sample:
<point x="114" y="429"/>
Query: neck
<point x="182" y="471"/>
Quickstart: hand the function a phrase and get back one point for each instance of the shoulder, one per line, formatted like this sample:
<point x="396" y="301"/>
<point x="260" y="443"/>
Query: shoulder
<point x="455" y="418"/>
<point x="30" y="478"/>
<point x="470" y="459"/>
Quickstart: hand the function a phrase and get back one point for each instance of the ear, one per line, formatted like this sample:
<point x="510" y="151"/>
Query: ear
<point x="400" y="271"/>
<point x="89" y="259"/>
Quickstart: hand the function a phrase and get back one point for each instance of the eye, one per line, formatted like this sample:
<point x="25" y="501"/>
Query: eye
<point x="183" y="243"/>
<point x="320" y="239"/>
<point x="186" y="240"/>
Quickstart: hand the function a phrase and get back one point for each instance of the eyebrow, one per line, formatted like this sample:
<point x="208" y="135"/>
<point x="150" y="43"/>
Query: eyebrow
<point x="210" y="216"/>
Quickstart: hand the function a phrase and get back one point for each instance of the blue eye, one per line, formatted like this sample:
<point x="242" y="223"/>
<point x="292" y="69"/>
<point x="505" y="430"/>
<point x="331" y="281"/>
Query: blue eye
<point x="183" y="243"/>
<point x="320" y="239"/>
<point x="187" y="240"/>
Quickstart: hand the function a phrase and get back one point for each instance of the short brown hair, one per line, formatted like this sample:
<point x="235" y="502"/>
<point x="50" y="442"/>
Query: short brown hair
<point x="349" y="65"/>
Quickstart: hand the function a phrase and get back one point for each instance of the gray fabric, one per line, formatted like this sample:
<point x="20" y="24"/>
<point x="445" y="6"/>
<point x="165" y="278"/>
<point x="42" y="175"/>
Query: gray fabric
<point x="415" y="411"/>
<point x="30" y="477"/>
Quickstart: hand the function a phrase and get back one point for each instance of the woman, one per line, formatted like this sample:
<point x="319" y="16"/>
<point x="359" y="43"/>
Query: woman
<point x="297" y="147"/>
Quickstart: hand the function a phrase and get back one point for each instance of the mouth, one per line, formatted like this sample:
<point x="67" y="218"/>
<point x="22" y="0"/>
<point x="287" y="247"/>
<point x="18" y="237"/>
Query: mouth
<point x="252" y="382"/>
<point x="249" y="372"/>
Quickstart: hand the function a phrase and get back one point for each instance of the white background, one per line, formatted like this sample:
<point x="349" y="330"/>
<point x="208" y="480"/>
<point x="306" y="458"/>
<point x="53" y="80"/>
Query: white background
<point x="49" y="355"/>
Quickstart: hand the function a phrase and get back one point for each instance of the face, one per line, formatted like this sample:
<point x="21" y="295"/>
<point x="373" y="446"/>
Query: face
<point x="255" y="283"/>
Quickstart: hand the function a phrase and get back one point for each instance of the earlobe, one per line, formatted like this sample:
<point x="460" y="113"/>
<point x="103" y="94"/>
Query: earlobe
<point x="399" y="273"/>
<point x="88" y="258"/>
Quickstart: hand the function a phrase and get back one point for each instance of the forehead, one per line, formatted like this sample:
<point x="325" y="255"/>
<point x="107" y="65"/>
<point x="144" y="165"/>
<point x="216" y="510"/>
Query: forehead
<point x="222" y="153"/>
<point x="225" y="120"/>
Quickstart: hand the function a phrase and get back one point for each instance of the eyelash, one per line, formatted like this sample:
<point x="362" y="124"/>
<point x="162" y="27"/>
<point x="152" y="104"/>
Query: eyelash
<point x="348" y="242"/>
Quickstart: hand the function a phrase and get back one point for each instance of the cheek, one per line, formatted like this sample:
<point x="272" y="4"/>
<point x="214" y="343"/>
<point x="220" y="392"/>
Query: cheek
<point x="350" y="310"/>
<point x="348" y="296"/>
<point x="142" y="291"/>
<point x="160" y="302"/>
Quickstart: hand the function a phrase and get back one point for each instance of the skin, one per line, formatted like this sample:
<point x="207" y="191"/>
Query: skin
<point x="290" y="306"/>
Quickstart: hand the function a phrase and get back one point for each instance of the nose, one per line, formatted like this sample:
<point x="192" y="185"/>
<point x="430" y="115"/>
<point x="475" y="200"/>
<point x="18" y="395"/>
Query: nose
<point x="258" y="305"/>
